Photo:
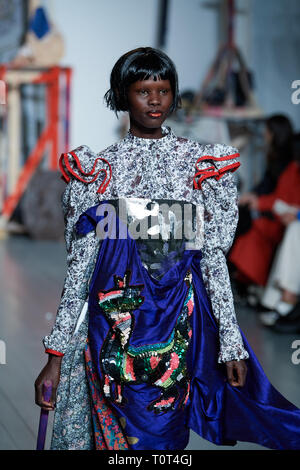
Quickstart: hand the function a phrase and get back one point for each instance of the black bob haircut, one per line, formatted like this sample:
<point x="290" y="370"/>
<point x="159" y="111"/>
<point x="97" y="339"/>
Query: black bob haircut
<point x="140" y="64"/>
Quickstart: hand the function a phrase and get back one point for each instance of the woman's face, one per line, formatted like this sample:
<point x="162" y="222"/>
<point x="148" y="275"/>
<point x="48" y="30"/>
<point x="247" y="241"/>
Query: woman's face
<point x="149" y="102"/>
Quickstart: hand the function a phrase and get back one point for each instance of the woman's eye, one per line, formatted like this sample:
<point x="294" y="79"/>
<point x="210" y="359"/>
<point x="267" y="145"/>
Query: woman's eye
<point x="143" y="92"/>
<point x="164" y="92"/>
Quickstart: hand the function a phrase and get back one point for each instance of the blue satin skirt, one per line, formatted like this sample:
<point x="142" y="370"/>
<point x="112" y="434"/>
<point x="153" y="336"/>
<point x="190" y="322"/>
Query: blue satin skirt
<point x="180" y="389"/>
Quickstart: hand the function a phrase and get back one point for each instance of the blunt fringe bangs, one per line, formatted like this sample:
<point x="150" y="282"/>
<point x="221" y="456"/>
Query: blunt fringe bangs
<point x="140" y="64"/>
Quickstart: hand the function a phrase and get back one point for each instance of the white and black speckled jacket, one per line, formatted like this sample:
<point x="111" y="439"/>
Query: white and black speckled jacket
<point x="168" y="168"/>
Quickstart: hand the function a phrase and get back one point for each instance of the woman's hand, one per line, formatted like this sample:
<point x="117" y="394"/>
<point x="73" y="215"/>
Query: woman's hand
<point x="51" y="372"/>
<point x="249" y="199"/>
<point x="236" y="373"/>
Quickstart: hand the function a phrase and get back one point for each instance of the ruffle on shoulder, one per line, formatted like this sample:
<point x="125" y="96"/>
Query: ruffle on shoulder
<point x="83" y="164"/>
<point x="224" y="159"/>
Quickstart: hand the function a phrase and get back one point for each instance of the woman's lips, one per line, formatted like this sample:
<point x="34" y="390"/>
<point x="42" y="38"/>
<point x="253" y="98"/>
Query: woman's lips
<point x="155" y="114"/>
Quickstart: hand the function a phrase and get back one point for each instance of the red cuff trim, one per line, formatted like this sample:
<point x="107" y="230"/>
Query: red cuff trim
<point x="65" y="167"/>
<point x="212" y="170"/>
<point x="55" y="353"/>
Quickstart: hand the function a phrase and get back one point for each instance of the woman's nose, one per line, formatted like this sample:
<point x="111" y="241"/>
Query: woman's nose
<point x="154" y="98"/>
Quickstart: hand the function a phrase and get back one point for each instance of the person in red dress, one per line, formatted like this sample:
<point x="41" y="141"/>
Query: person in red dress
<point x="252" y="252"/>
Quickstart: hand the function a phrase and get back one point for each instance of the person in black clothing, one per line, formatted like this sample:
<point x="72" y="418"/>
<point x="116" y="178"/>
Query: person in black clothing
<point x="279" y="140"/>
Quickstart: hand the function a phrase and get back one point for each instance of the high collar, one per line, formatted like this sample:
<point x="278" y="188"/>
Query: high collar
<point x="168" y="136"/>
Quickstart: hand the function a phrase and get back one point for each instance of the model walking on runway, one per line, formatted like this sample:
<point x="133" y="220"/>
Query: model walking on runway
<point x="146" y="345"/>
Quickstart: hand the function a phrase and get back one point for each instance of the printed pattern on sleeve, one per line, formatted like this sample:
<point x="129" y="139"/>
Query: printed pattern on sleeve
<point x="220" y="221"/>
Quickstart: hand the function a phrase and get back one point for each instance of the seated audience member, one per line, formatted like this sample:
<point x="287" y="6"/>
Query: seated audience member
<point x="281" y="295"/>
<point x="278" y="140"/>
<point x="252" y="253"/>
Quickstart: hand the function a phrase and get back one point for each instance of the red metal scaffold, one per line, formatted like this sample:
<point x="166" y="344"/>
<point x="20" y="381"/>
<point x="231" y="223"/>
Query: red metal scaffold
<point x="55" y="134"/>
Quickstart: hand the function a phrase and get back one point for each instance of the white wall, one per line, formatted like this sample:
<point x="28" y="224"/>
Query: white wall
<point x="267" y="33"/>
<point x="191" y="40"/>
<point x="193" y="37"/>
<point x="276" y="54"/>
<point x="97" y="33"/>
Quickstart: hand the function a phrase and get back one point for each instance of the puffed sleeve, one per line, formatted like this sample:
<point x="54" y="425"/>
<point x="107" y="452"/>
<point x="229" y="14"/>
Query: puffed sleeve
<point x="81" y="250"/>
<point x="215" y="178"/>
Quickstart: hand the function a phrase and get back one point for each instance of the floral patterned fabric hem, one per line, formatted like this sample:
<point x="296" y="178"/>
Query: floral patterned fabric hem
<point x="108" y="433"/>
<point x="72" y="426"/>
<point x="82" y="419"/>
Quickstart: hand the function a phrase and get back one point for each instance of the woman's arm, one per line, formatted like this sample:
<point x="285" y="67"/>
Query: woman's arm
<point x="70" y="305"/>
<point x="81" y="253"/>
<point x="220" y="221"/>
<point x="83" y="171"/>
<point x="81" y="257"/>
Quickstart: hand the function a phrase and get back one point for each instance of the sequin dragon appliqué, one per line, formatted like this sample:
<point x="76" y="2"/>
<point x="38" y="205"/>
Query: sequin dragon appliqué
<point x="162" y="365"/>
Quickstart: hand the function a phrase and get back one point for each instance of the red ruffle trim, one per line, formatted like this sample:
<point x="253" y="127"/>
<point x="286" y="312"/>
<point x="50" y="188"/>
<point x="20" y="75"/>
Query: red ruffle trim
<point x="210" y="171"/>
<point x="65" y="168"/>
<point x="55" y="353"/>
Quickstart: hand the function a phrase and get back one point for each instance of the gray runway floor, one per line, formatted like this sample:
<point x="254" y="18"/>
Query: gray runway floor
<point x="31" y="279"/>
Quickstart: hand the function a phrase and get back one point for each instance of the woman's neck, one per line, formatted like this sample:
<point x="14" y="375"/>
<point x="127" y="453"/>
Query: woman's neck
<point x="145" y="133"/>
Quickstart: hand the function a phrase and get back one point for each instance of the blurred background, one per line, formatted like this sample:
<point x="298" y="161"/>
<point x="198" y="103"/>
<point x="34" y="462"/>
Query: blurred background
<point x="238" y="63"/>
